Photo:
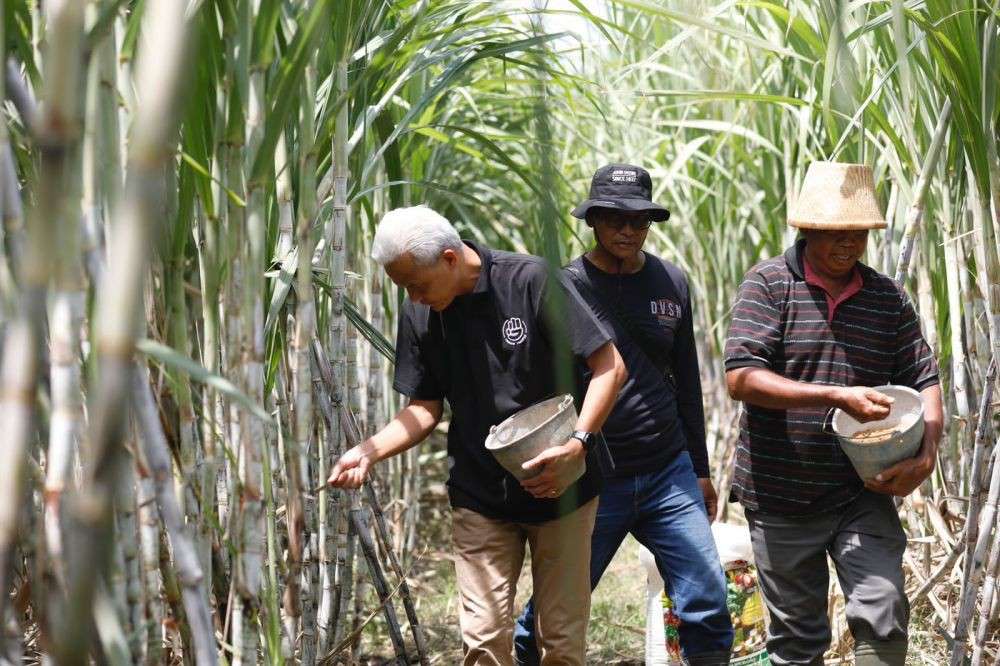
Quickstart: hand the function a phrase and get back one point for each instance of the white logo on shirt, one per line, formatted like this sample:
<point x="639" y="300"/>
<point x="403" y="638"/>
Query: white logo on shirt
<point x="514" y="331"/>
<point x="665" y="307"/>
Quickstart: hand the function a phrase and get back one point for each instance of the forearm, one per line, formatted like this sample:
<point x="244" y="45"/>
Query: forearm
<point x="608" y="376"/>
<point x="764" y="388"/>
<point x="408" y="428"/>
<point x="690" y="407"/>
<point x="698" y="449"/>
<point x="691" y="413"/>
<point x="933" y="419"/>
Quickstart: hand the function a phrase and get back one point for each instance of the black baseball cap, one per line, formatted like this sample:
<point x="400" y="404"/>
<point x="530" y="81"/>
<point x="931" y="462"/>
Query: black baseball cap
<point x="622" y="187"/>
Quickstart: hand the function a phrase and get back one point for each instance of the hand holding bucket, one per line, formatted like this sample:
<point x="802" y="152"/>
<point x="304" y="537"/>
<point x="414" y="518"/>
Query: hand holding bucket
<point x="875" y="445"/>
<point x="526" y="434"/>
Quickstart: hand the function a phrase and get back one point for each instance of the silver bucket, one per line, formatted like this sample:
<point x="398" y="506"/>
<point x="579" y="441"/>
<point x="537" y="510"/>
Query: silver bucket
<point x="525" y="434"/>
<point x="906" y="414"/>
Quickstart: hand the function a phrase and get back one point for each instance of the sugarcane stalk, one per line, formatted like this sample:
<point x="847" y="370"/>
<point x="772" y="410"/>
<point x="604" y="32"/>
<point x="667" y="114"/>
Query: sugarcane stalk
<point x="286" y="208"/>
<point x="337" y="232"/>
<point x="381" y="586"/>
<point x="65" y="320"/>
<point x="149" y="540"/>
<point x="66" y="317"/>
<point x="304" y="334"/>
<point x="185" y="558"/>
<point x="987" y="261"/>
<point x="343" y="583"/>
<point x="55" y="136"/>
<point x="988" y="593"/>
<point x="153" y="136"/>
<point x="953" y="249"/>
<point x="20" y="95"/>
<point x="110" y="631"/>
<point x="131" y="573"/>
<point x="990" y="62"/>
<point x="271" y="519"/>
<point x="243" y="244"/>
<point x="973" y="548"/>
<point x="353" y="435"/>
<point x="241" y="493"/>
<point x="11" y="212"/>
<point x="206" y="230"/>
<point x="916" y="212"/>
<point x="935" y="576"/>
<point x="329" y="508"/>
<point x="176" y="633"/>
<point x="375" y="365"/>
<point x="404" y="588"/>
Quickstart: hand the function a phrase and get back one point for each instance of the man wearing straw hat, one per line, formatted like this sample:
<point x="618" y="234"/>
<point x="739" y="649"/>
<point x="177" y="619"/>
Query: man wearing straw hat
<point x="813" y="330"/>
<point x="480" y="328"/>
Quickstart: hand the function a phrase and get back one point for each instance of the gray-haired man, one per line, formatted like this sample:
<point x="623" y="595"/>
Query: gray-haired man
<point x="475" y="331"/>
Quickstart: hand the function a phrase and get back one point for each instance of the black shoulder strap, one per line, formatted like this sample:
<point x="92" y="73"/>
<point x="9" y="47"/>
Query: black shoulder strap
<point x="580" y="281"/>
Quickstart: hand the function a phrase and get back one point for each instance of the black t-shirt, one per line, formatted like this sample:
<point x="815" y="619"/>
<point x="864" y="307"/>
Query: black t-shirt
<point x="655" y="417"/>
<point x="492" y="353"/>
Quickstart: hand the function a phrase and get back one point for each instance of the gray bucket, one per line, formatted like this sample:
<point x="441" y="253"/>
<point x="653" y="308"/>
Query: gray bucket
<point x="525" y="434"/>
<point x="906" y="413"/>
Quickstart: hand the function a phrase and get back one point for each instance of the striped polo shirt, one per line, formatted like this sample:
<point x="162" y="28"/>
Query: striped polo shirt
<point x="785" y="462"/>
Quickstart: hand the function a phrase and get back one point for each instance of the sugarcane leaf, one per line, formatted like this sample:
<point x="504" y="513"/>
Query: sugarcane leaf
<point x="203" y="171"/>
<point x="174" y="359"/>
<point x="284" y="277"/>
<point x="281" y="96"/>
<point x="369" y="332"/>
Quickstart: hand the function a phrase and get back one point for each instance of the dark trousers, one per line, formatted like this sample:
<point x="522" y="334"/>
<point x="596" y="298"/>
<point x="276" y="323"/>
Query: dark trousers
<point x="866" y="542"/>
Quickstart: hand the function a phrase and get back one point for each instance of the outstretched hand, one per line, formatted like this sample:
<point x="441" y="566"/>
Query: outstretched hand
<point x="351" y="470"/>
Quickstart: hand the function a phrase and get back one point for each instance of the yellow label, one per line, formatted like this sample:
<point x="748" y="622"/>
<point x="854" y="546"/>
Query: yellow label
<point x="753" y="611"/>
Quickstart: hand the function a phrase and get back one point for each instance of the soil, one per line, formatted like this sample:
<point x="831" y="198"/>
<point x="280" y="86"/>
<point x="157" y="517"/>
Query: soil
<point x="874" y="436"/>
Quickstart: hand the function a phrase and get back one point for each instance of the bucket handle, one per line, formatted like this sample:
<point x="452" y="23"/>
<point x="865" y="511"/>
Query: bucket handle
<point x="828" y="422"/>
<point x="566" y="401"/>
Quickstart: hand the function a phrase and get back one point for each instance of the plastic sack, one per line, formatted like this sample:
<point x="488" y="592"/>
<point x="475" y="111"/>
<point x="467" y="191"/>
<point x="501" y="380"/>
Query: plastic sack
<point x="743" y="599"/>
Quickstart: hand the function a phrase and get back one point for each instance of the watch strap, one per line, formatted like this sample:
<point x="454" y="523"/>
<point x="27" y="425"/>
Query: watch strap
<point x="586" y="438"/>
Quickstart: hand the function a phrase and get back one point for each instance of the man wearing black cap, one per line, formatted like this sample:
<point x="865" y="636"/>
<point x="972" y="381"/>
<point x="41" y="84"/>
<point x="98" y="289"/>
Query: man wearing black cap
<point x="660" y="491"/>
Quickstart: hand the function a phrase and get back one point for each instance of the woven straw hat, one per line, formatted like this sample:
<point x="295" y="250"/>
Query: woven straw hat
<point x="836" y="196"/>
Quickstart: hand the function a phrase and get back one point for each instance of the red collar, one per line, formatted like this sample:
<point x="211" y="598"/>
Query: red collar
<point x="814" y="279"/>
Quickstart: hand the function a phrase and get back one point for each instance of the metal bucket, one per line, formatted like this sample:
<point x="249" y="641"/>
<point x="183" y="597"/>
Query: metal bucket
<point x="525" y="434"/>
<point x="906" y="413"/>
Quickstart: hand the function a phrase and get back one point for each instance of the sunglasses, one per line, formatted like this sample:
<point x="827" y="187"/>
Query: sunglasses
<point x="618" y="222"/>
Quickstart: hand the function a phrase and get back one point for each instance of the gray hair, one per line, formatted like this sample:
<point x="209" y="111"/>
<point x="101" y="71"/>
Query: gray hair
<point x="417" y="230"/>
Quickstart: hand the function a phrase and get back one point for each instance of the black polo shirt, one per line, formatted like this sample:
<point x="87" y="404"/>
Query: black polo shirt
<point x="491" y="353"/>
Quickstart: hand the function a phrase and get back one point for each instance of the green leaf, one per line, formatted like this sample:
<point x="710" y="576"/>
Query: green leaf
<point x="174" y="359"/>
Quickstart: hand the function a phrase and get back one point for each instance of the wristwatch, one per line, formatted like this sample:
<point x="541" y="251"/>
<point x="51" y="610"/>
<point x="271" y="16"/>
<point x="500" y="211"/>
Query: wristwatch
<point x="586" y="438"/>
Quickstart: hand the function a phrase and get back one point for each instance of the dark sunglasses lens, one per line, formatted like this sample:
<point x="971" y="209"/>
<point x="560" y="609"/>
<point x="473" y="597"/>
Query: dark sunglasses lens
<point x="617" y="223"/>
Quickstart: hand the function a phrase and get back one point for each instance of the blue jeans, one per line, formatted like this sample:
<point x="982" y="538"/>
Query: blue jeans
<point x="664" y="510"/>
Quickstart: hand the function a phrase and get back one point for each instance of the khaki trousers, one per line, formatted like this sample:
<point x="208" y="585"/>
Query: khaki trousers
<point x="488" y="558"/>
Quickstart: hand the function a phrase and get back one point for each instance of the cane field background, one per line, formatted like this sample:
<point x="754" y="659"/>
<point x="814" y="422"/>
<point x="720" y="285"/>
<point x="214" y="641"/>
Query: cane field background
<point x="191" y="328"/>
